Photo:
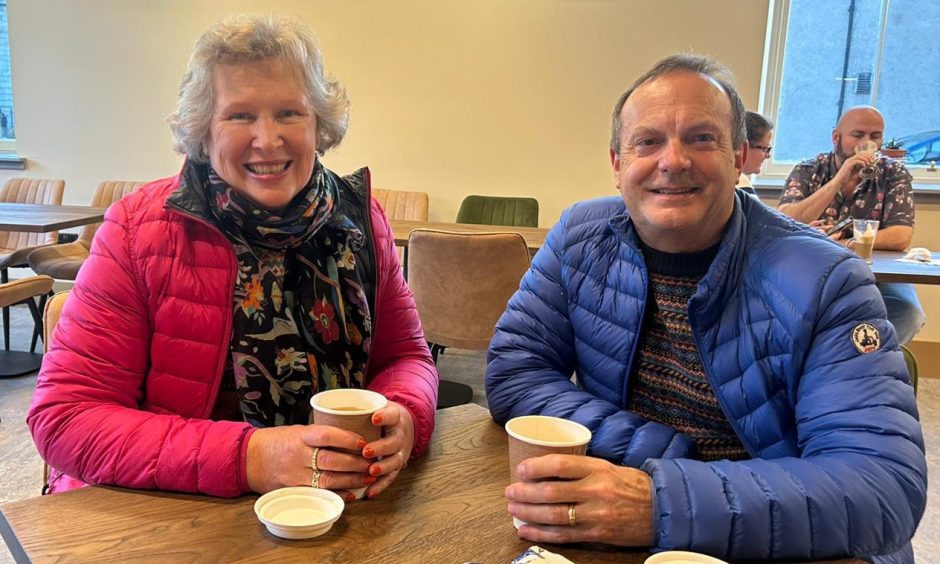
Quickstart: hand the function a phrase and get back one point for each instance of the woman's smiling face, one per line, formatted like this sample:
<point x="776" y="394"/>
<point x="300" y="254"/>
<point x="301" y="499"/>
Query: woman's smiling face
<point x="263" y="134"/>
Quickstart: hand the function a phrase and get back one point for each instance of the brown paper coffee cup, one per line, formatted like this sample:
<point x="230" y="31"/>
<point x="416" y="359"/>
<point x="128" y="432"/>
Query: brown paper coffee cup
<point x="350" y="409"/>
<point x="538" y="435"/>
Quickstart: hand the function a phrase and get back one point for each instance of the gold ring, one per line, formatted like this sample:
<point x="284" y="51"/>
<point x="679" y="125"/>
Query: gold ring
<point x="572" y="520"/>
<point x="401" y="459"/>
<point x="315" y="482"/>
<point x="313" y="459"/>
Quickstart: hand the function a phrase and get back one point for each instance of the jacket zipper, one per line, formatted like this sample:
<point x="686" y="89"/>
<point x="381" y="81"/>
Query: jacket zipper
<point x="375" y="272"/>
<point x="229" y="312"/>
<point x="711" y="382"/>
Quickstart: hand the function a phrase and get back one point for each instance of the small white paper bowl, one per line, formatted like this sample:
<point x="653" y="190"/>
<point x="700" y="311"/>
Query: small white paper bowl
<point x="299" y="512"/>
<point x="682" y="557"/>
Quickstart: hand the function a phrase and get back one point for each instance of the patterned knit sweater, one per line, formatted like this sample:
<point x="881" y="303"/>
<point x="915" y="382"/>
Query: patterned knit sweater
<point x="667" y="383"/>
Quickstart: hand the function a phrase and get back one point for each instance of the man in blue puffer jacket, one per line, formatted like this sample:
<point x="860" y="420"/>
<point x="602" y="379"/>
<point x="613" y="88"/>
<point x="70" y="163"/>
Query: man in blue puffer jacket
<point x="746" y="395"/>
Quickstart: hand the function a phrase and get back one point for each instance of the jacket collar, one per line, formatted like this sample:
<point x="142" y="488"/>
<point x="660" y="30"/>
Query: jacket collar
<point x="715" y="288"/>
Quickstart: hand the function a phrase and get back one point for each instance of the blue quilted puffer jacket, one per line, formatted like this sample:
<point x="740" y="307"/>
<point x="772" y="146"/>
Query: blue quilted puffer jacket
<point x="838" y="462"/>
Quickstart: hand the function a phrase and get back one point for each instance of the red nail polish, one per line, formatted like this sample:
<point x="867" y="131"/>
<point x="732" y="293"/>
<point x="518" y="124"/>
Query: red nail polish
<point x="374" y="470"/>
<point x="372" y="494"/>
<point x="360" y="444"/>
<point x="369" y="480"/>
<point x="350" y="498"/>
<point x="369" y="452"/>
<point x="376" y="419"/>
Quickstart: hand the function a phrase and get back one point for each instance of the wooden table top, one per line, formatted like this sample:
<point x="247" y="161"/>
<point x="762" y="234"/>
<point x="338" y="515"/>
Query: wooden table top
<point x="37" y="218"/>
<point x="534" y="236"/>
<point x="887" y="268"/>
<point x="446" y="507"/>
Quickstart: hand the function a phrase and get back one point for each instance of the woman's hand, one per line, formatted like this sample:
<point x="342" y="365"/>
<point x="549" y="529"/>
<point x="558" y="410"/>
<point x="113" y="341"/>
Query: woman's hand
<point x="594" y="501"/>
<point x="394" y="447"/>
<point x="283" y="456"/>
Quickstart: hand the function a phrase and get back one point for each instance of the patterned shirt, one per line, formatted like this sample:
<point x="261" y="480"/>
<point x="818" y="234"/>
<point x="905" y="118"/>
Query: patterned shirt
<point x="887" y="197"/>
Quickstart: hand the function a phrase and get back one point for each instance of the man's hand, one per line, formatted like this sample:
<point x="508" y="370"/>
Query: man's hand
<point x="848" y="176"/>
<point x="611" y="504"/>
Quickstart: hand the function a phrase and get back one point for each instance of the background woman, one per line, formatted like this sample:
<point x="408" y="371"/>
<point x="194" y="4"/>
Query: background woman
<point x="216" y="302"/>
<point x="760" y="133"/>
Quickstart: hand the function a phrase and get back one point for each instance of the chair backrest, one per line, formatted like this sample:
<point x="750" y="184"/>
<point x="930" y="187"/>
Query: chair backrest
<point x="462" y="281"/>
<point x="30" y="191"/>
<point x="400" y="204"/>
<point x="106" y="194"/>
<point x="49" y="319"/>
<point x="51" y="316"/>
<point x="497" y="210"/>
<point x="911" y="362"/>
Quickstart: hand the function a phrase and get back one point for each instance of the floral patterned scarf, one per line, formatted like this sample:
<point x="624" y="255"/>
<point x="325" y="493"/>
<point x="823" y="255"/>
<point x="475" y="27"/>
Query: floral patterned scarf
<point x="302" y="321"/>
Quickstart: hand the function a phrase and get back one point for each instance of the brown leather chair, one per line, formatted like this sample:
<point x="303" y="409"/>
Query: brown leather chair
<point x="63" y="261"/>
<point x="15" y="246"/>
<point x="461" y="284"/>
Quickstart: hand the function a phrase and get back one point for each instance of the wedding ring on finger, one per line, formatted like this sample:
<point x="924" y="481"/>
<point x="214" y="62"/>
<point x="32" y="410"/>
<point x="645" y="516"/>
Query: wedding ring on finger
<point x="315" y="482"/>
<point x="401" y="460"/>
<point x="572" y="519"/>
<point x="313" y="459"/>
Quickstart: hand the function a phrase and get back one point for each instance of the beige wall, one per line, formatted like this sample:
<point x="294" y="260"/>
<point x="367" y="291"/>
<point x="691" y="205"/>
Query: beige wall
<point x="501" y="97"/>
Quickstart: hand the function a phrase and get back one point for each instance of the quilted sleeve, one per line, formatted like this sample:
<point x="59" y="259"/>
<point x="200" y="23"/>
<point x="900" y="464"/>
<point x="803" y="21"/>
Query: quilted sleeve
<point x="859" y="487"/>
<point x="400" y="367"/>
<point x="532" y="358"/>
<point x="85" y="416"/>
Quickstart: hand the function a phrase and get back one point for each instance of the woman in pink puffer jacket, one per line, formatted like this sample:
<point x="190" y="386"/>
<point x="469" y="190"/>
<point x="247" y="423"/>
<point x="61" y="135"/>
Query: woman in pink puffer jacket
<point x="214" y="304"/>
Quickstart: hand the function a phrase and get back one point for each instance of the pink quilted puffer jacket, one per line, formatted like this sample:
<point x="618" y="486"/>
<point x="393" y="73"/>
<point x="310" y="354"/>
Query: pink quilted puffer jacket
<point x="136" y="360"/>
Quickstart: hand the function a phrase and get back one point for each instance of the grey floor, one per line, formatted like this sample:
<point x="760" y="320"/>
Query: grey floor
<point x="21" y="468"/>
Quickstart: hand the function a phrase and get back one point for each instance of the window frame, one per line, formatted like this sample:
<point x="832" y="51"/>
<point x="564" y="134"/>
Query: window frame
<point x="778" y="16"/>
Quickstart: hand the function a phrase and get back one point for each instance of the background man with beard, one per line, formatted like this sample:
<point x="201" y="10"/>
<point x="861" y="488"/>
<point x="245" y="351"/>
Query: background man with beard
<point x="829" y="188"/>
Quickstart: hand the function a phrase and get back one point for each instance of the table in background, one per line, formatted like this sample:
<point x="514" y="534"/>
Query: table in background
<point x="38" y="218"/>
<point x="887" y="268"/>
<point x="445" y="507"/>
<point x="534" y="236"/>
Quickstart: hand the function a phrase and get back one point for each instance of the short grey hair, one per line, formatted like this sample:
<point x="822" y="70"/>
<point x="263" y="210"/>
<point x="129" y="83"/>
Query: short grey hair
<point x="687" y="62"/>
<point x="249" y="38"/>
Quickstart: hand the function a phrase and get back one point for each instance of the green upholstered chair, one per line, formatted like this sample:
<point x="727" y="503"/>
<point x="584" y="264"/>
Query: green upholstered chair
<point x="911" y="361"/>
<point x="497" y="210"/>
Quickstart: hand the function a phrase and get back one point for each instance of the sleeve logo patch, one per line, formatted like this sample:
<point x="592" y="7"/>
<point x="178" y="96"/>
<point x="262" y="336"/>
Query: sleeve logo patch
<point x="866" y="338"/>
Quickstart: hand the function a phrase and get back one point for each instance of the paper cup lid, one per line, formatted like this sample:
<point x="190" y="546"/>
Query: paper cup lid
<point x="682" y="557"/>
<point x="299" y="512"/>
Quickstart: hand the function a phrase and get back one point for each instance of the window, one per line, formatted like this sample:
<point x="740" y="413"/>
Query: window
<point x="7" y="121"/>
<point x="824" y="57"/>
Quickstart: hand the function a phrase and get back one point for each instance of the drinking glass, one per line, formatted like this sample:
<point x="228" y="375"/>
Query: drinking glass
<point x="863" y="241"/>
<point x="867" y="172"/>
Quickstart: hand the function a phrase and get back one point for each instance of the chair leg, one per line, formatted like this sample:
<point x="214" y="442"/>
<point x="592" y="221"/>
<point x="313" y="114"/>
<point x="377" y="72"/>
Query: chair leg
<point x="4" y="278"/>
<point x="37" y="319"/>
<point x="435" y="350"/>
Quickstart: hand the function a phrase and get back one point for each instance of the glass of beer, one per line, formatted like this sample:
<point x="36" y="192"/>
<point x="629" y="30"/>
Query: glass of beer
<point x="864" y="232"/>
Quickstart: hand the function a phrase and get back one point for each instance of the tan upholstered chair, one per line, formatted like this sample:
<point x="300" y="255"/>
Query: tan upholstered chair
<point x="63" y="261"/>
<point x="50" y="317"/>
<point x="461" y="283"/>
<point x="399" y="204"/>
<point x="24" y="291"/>
<point x="15" y="246"/>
